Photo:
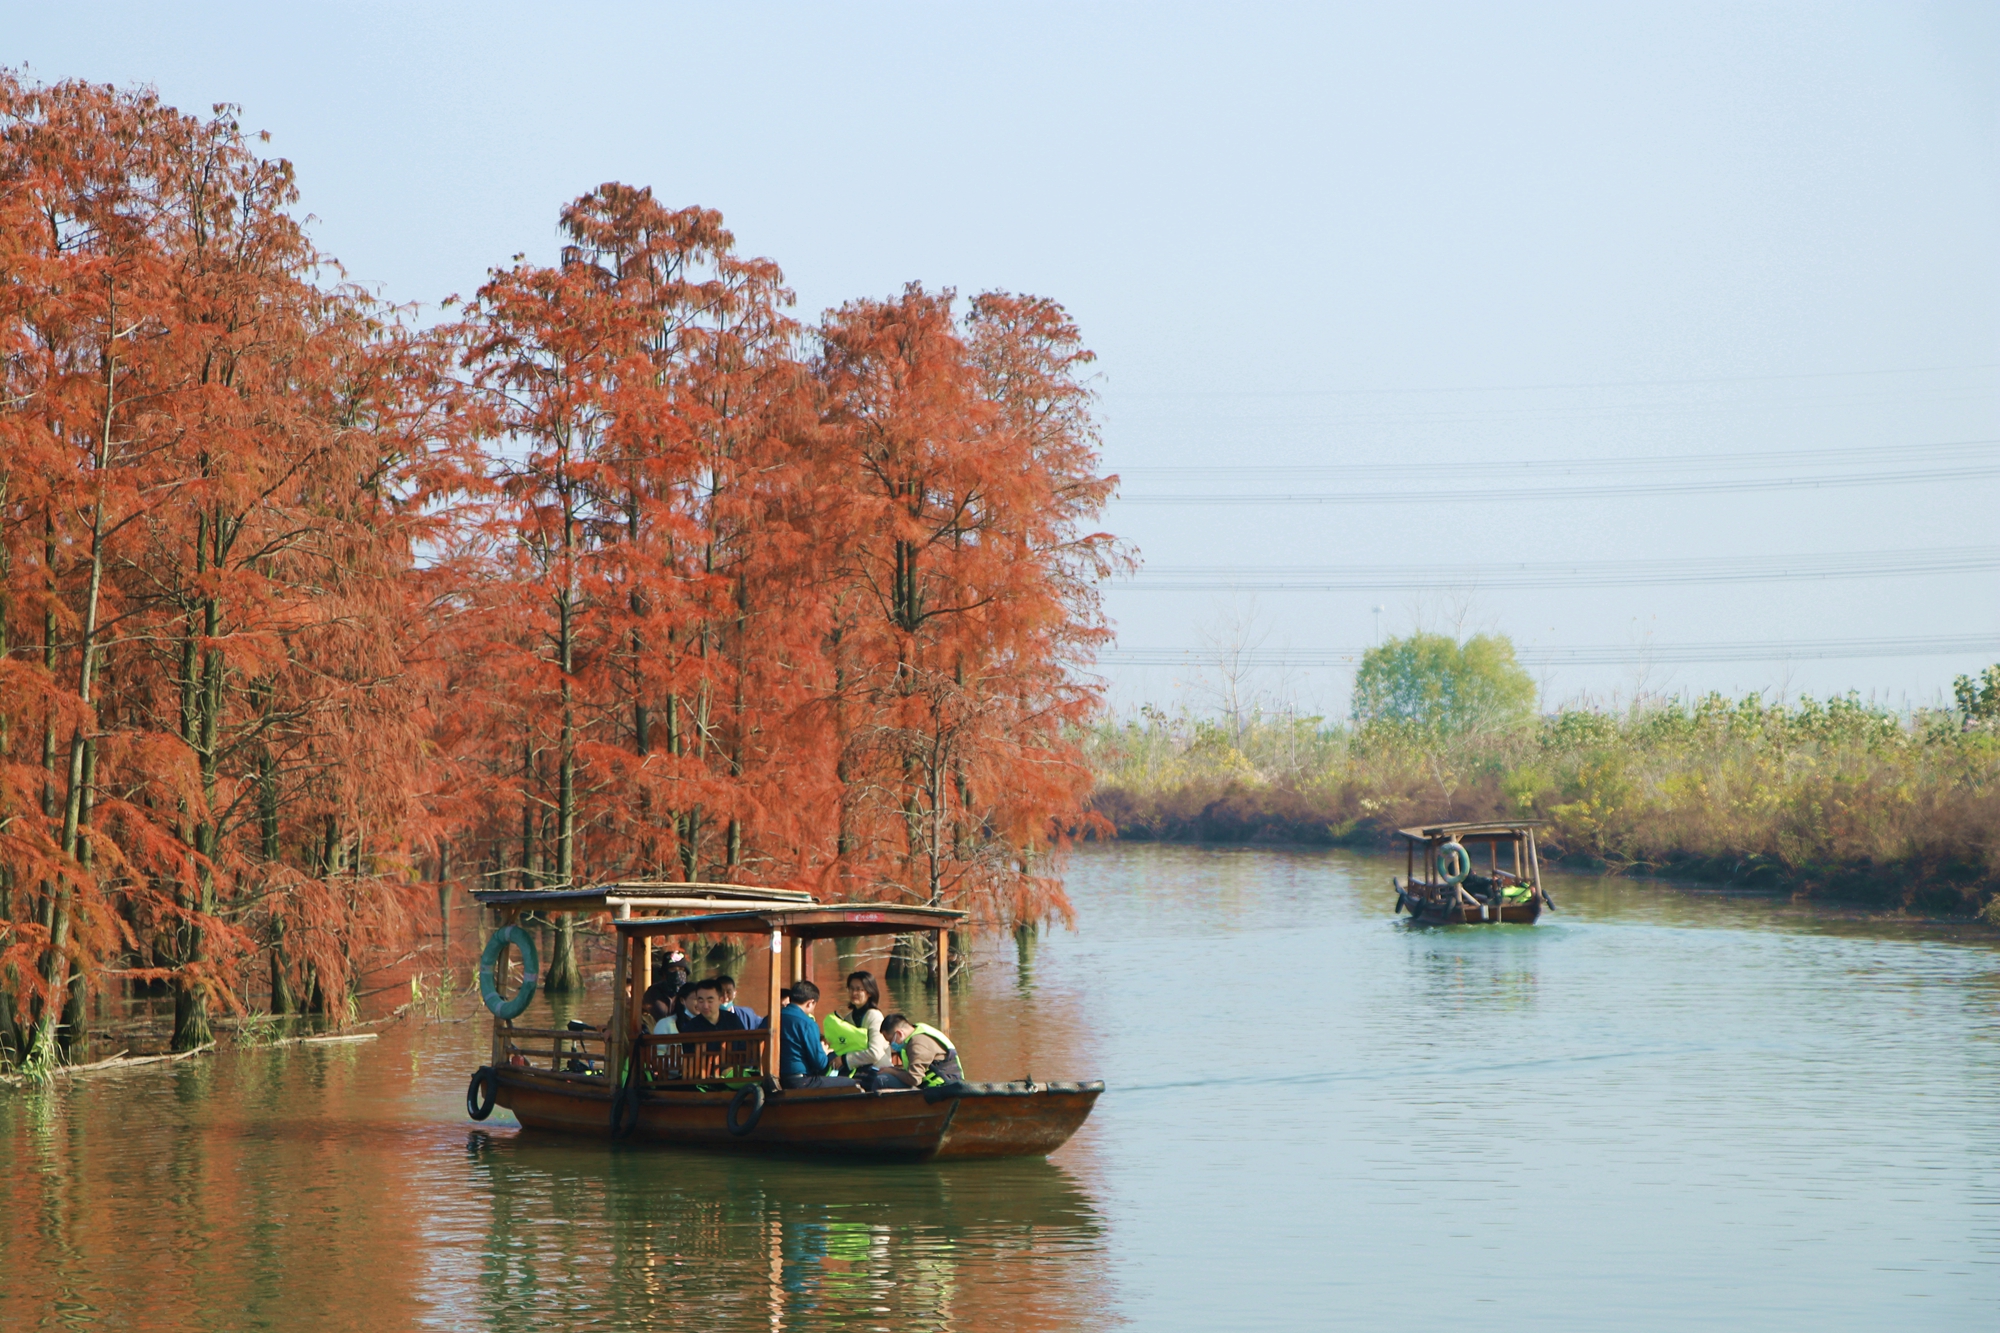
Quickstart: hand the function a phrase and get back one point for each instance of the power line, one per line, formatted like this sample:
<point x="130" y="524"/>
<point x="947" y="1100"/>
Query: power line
<point x="1415" y="495"/>
<point x="1652" y="654"/>
<point x="1740" y="460"/>
<point x="1587" y="384"/>
<point x="1497" y="576"/>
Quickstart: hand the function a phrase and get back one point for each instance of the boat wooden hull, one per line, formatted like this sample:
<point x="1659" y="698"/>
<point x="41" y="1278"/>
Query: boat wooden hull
<point x="918" y="1125"/>
<point x="1445" y="911"/>
<point x="1425" y="912"/>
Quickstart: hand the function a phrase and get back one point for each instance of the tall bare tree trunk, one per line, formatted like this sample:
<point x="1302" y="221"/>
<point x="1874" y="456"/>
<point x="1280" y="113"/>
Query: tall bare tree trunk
<point x="565" y="976"/>
<point x="81" y="767"/>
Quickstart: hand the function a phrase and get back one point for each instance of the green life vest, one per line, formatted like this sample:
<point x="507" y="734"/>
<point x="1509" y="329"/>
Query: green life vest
<point x="842" y="1036"/>
<point x="934" y="1035"/>
<point x="931" y="1077"/>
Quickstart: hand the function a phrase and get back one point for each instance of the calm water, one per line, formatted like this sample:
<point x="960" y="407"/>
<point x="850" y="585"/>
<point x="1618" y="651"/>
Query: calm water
<point x="1656" y="1109"/>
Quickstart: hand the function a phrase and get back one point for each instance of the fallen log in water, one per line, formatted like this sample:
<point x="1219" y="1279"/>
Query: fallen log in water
<point x="119" y="1061"/>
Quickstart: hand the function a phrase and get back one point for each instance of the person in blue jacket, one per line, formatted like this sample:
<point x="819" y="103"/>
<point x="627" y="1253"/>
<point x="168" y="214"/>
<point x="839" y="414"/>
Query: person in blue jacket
<point x="802" y="1056"/>
<point x="726" y="984"/>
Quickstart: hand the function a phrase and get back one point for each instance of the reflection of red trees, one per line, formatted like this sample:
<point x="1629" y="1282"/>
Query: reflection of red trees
<point x="623" y="573"/>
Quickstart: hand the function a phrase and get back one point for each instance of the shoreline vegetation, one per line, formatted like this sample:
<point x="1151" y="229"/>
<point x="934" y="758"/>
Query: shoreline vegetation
<point x="1830" y="800"/>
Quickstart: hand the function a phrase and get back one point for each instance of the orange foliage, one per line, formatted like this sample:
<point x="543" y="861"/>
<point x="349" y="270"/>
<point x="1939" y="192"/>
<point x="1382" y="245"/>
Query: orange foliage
<point x="623" y="573"/>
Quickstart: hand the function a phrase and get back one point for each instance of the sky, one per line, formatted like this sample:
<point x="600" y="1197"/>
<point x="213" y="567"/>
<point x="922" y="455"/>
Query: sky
<point x="1413" y="270"/>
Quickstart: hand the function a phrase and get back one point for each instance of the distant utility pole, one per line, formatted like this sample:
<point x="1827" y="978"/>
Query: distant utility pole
<point x="1379" y="609"/>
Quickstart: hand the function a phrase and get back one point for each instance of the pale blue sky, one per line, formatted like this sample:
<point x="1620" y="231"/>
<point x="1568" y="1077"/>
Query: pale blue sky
<point x="1424" y="235"/>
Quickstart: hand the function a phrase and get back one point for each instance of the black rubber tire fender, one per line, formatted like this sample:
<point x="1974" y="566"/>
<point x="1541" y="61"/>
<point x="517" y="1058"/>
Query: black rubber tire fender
<point x="482" y="1092"/>
<point x="738" y="1127"/>
<point x="624" y="1111"/>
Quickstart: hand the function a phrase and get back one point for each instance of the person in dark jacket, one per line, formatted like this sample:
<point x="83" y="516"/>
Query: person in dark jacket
<point x="726" y="985"/>
<point x="802" y="1058"/>
<point x="705" y="1012"/>
<point x="660" y="1007"/>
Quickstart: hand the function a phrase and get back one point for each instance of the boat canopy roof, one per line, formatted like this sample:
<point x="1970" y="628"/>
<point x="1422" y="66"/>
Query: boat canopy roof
<point x="810" y="922"/>
<point x="650" y="895"/>
<point x="1475" y="829"/>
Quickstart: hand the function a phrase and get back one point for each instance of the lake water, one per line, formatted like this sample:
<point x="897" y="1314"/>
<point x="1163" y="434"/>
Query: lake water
<point x="1658" y="1108"/>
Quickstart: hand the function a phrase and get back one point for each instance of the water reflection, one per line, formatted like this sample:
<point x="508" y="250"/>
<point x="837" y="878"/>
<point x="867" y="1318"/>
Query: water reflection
<point x="1655" y="1108"/>
<point x="647" y="1236"/>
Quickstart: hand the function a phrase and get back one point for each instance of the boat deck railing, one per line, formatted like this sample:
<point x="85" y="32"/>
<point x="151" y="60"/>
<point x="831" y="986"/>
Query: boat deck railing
<point x="563" y="1050"/>
<point x="702" y="1057"/>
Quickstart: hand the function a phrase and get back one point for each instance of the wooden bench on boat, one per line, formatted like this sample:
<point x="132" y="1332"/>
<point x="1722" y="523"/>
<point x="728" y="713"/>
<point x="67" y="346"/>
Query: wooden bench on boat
<point x="721" y="1089"/>
<point x="1453" y="890"/>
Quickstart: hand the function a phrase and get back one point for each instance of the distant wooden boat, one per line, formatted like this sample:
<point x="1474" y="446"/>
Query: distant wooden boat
<point x="1455" y="890"/>
<point x="721" y="1090"/>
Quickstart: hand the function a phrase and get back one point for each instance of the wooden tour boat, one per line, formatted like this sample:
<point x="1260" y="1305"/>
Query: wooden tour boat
<point x="721" y="1090"/>
<point x="1456" y="890"/>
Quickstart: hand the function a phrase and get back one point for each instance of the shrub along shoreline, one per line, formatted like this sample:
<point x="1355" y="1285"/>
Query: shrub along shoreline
<point x="1835" y="800"/>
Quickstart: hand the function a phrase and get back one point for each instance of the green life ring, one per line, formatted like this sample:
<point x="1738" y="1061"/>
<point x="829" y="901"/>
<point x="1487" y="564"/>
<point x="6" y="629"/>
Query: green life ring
<point x="1454" y="863"/>
<point x="489" y="961"/>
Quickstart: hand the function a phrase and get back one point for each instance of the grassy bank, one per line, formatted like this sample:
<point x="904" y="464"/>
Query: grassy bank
<point x="1832" y="799"/>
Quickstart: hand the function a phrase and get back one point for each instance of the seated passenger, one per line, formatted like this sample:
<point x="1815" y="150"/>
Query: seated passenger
<point x="802" y="1058"/>
<point x="925" y="1057"/>
<point x="705" y="1011"/>
<point x="657" y="1009"/>
<point x="726" y="986"/>
<point x="670" y="966"/>
<point x="864" y="1012"/>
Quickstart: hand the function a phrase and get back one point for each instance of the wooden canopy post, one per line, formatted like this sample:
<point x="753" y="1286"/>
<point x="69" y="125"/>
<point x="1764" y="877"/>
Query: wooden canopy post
<point x="943" y="955"/>
<point x="777" y="1037"/>
<point x="500" y="916"/>
<point x="618" y="1040"/>
<point x="642" y="980"/>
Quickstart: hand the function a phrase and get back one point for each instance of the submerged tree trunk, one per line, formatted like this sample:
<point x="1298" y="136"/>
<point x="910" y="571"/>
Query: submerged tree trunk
<point x="282" y="1000"/>
<point x="909" y="956"/>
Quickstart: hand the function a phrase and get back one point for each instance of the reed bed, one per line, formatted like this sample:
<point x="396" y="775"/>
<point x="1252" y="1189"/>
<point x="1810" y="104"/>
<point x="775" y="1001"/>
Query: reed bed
<point x="1836" y="799"/>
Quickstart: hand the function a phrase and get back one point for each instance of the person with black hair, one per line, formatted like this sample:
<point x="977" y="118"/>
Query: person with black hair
<point x="864" y="1011"/>
<point x="725" y="986"/>
<point x="659" y="1007"/>
<point x="925" y="1057"/>
<point x="682" y="994"/>
<point x="802" y="1056"/>
<point x="671" y="966"/>
<point x="705" y="1012"/>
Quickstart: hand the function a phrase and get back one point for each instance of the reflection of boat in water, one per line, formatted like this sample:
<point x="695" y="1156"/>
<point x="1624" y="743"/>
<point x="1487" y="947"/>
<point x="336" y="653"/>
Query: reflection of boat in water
<point x="721" y="1091"/>
<point x="788" y="1242"/>
<point x="1454" y="891"/>
<point x="951" y="1199"/>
